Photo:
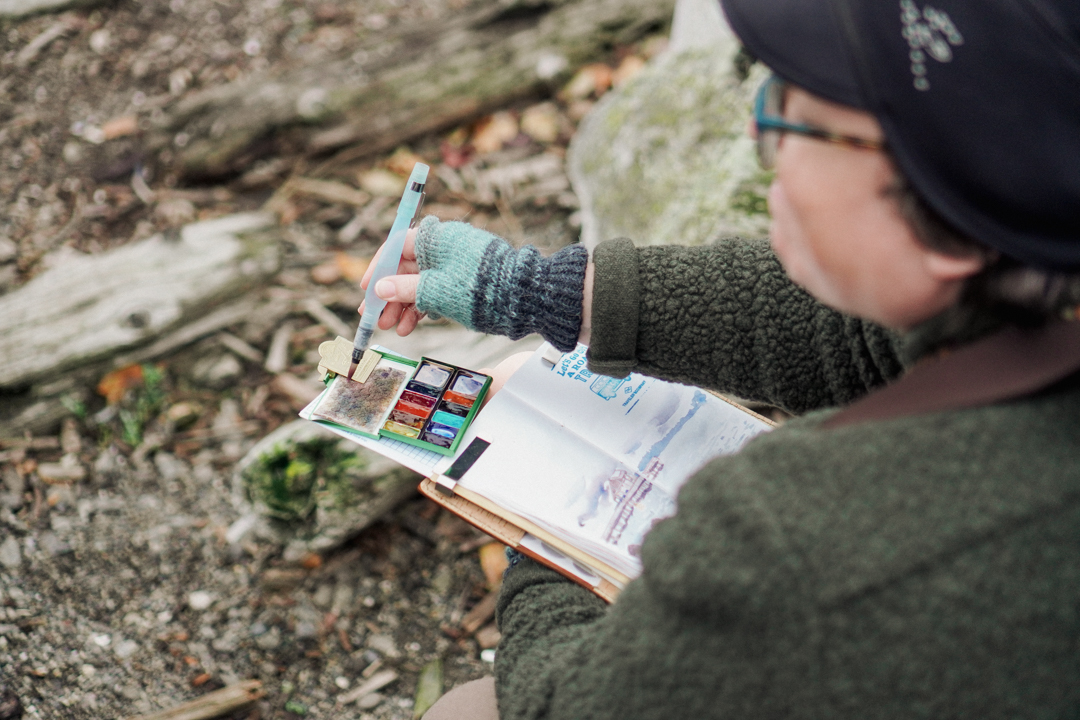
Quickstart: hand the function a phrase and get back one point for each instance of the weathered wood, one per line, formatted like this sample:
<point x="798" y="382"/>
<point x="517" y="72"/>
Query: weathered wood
<point x="88" y="308"/>
<point x="22" y="8"/>
<point x="415" y="80"/>
<point x="212" y="705"/>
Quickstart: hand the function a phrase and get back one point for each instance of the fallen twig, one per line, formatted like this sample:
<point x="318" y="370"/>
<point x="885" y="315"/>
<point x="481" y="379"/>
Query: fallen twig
<point x="211" y="705"/>
<point x="480" y="614"/>
<point x="377" y="682"/>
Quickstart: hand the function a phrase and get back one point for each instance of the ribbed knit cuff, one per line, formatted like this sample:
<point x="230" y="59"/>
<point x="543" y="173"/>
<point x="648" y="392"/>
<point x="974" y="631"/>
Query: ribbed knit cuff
<point x="481" y="281"/>
<point x="545" y="297"/>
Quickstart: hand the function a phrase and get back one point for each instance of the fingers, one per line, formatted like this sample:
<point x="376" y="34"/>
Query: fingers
<point x="391" y="315"/>
<point x="404" y="315"/>
<point x="407" y="266"/>
<point x="410" y="317"/>
<point x="400" y="293"/>
<point x="398" y="288"/>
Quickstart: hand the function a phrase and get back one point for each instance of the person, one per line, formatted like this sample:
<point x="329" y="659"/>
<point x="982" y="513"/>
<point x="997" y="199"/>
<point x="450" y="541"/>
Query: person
<point x="916" y="554"/>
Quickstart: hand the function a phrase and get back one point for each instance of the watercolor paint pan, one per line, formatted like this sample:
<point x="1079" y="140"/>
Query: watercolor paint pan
<point x="467" y="383"/>
<point x="453" y="409"/>
<point x="403" y="418"/>
<point x="426" y="401"/>
<point x="463" y="400"/>
<point x="399" y="431"/>
<point x="432" y="375"/>
<point x="443" y="418"/>
<point x="437" y="406"/>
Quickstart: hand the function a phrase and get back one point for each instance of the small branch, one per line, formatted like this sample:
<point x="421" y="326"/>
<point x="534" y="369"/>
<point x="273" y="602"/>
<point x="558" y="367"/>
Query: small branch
<point x="211" y="705"/>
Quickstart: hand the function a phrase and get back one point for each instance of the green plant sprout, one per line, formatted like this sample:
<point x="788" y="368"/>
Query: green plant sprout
<point x="291" y="477"/>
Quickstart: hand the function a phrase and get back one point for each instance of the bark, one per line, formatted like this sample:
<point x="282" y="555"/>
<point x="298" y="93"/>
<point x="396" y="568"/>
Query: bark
<point x="416" y="80"/>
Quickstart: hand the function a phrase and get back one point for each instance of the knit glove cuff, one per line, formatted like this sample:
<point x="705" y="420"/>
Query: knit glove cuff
<point x="481" y="281"/>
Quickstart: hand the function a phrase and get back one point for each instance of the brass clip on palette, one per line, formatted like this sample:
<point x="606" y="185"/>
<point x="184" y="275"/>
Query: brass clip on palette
<point x="426" y="403"/>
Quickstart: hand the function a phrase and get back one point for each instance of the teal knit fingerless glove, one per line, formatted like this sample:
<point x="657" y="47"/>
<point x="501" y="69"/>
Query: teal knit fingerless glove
<point x="482" y="282"/>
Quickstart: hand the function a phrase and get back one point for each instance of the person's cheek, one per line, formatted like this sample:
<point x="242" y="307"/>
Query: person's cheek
<point x="783" y="228"/>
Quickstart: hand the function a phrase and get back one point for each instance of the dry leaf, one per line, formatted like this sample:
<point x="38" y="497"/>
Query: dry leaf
<point x="578" y="109"/>
<point x="488" y="636"/>
<point x="455" y="156"/>
<point x="120" y="127"/>
<point x="455" y="149"/>
<point x="115" y="385"/>
<point x="351" y="268"/>
<point x="326" y="273"/>
<point x="382" y="183"/>
<point x="494" y="131"/>
<point x="541" y="122"/>
<point x="628" y="68"/>
<point x="493" y="562"/>
<point x="402" y="161"/>
<point x="288" y="212"/>
<point x="592" y="79"/>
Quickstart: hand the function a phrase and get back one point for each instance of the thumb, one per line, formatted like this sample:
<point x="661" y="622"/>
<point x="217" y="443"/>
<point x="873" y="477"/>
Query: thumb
<point x="398" y="288"/>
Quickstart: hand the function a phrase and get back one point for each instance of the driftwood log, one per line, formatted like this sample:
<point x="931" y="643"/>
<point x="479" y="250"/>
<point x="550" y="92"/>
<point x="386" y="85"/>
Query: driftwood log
<point x="90" y="307"/>
<point x="417" y="79"/>
<point x="138" y="302"/>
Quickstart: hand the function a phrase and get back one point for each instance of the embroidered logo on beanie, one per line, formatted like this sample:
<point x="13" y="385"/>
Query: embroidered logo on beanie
<point x="929" y="32"/>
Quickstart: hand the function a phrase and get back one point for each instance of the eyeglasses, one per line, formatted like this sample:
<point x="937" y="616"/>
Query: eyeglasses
<point x="768" y="116"/>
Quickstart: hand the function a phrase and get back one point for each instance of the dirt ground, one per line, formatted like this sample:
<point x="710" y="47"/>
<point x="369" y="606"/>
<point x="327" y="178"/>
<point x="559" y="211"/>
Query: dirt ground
<point x="120" y="590"/>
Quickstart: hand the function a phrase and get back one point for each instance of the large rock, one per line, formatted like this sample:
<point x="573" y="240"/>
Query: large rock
<point x="665" y="158"/>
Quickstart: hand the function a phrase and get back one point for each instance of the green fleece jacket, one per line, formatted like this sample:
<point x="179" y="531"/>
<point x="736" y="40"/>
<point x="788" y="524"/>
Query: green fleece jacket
<point x="920" y="567"/>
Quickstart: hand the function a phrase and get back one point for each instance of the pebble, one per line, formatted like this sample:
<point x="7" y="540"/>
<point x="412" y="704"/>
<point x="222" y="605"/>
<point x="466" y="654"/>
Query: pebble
<point x="200" y="600"/>
<point x="269" y="640"/>
<point x="324" y="595"/>
<point x="383" y="644"/>
<point x="53" y="545"/>
<point x="8" y="250"/>
<point x="125" y="649"/>
<point x="370" y="701"/>
<point x="10" y="554"/>
<point x="175" y="212"/>
<point x="216" y="372"/>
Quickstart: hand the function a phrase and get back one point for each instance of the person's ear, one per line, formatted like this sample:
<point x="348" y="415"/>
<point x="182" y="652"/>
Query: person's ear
<point x="952" y="267"/>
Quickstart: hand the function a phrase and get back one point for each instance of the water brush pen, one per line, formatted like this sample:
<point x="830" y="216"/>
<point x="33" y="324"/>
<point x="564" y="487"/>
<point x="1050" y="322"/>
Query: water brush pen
<point x="407" y="212"/>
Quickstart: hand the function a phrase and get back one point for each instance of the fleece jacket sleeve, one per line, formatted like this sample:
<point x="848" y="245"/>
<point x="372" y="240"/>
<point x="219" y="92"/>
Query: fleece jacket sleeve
<point x="726" y="317"/>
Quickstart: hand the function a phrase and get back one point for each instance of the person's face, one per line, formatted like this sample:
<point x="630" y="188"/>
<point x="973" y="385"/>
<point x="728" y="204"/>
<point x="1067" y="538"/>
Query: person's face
<point x="840" y="236"/>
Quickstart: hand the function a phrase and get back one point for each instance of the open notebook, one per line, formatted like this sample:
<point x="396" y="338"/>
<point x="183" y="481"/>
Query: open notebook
<point x="574" y="468"/>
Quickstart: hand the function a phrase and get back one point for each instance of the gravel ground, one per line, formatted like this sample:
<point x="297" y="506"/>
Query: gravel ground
<point x="120" y="591"/>
<point x="121" y="595"/>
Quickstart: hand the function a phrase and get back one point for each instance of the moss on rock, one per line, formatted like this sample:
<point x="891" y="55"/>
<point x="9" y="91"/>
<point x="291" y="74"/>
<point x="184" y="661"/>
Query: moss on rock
<point x="666" y="157"/>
